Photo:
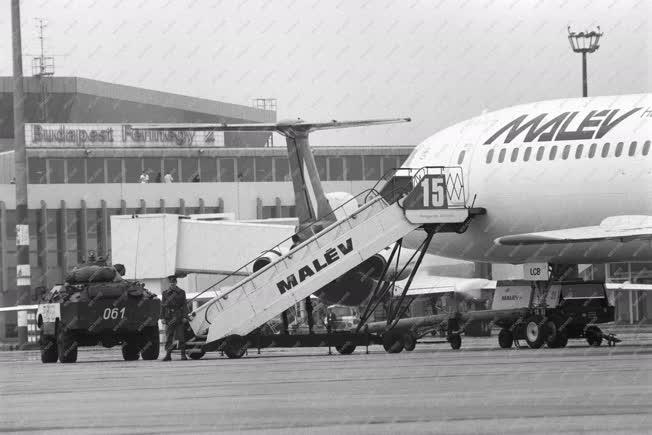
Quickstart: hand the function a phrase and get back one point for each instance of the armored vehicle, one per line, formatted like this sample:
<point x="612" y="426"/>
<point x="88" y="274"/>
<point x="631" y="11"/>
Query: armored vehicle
<point x="97" y="306"/>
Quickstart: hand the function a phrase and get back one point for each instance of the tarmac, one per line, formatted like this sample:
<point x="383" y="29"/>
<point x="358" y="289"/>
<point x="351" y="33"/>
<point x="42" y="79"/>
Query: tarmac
<point x="478" y="389"/>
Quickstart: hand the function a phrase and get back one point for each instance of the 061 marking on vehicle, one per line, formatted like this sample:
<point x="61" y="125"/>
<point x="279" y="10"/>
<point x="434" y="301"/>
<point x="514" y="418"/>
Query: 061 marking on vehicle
<point x="113" y="313"/>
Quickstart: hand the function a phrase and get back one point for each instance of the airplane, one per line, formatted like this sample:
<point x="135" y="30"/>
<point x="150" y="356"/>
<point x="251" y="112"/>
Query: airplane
<point x="564" y="181"/>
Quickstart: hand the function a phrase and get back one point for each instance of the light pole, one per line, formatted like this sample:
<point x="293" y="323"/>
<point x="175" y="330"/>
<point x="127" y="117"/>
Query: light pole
<point x="584" y="42"/>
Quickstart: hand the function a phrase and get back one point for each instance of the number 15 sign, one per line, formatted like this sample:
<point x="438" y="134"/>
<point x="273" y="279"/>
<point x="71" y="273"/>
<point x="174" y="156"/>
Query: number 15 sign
<point x="431" y="193"/>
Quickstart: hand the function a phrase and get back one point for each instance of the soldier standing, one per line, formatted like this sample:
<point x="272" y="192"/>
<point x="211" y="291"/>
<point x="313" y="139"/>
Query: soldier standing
<point x="173" y="312"/>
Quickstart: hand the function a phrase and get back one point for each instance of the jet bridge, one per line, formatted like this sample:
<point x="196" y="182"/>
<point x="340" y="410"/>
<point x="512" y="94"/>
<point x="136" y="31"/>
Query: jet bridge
<point x="432" y="198"/>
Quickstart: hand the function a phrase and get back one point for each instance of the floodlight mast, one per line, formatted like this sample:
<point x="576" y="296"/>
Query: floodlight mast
<point x="584" y="42"/>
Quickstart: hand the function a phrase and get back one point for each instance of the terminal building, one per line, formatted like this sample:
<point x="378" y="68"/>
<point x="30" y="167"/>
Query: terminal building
<point x="85" y="164"/>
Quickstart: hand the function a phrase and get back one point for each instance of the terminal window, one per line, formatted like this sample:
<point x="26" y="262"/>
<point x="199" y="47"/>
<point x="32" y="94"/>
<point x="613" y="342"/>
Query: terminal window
<point x="133" y="169"/>
<point x="114" y="171"/>
<point x="189" y="169"/>
<point x="227" y="170"/>
<point x="208" y="169"/>
<point x="322" y="166"/>
<point x="75" y="171"/>
<point x="246" y="169"/>
<point x="153" y="168"/>
<point x="336" y="168"/>
<point x="95" y="171"/>
<point x="171" y="166"/>
<point x="282" y="169"/>
<point x="264" y="169"/>
<point x="354" y="168"/>
<point x="390" y="163"/>
<point x="37" y="173"/>
<point x="56" y="171"/>
<point x="372" y="168"/>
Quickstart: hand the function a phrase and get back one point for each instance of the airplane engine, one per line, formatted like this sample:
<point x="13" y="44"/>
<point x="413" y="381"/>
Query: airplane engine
<point x="269" y="257"/>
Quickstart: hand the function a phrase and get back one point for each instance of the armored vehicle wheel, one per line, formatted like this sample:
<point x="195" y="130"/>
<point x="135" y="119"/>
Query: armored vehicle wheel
<point x="533" y="333"/>
<point x="455" y="341"/>
<point x="346" y="348"/>
<point x="196" y="353"/>
<point x="392" y="342"/>
<point x="151" y="344"/>
<point x="505" y="338"/>
<point x="130" y="350"/>
<point x="409" y="341"/>
<point x="66" y="347"/>
<point x="49" y="351"/>
<point x="593" y="336"/>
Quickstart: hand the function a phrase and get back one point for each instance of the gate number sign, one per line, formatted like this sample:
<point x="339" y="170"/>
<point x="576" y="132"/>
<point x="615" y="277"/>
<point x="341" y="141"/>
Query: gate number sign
<point x="431" y="194"/>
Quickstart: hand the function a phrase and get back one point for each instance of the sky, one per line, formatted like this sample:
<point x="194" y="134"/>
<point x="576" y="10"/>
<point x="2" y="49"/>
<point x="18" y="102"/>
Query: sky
<point x="438" y="62"/>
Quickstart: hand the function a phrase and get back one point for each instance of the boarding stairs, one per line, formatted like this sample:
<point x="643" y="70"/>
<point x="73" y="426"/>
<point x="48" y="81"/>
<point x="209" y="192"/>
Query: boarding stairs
<point x="412" y="198"/>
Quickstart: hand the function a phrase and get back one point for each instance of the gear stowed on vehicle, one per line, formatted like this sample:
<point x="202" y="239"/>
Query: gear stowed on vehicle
<point x="97" y="306"/>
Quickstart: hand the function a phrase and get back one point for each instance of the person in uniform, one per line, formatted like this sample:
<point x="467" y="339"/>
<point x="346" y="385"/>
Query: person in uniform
<point x="173" y="312"/>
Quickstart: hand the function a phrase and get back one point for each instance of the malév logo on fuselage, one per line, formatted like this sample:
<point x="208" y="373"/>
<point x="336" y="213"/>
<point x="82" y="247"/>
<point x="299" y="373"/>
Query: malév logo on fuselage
<point x="595" y="125"/>
<point x="330" y="256"/>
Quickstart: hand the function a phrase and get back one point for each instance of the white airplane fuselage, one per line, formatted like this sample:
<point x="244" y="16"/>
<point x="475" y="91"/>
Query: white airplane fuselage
<point x="539" y="179"/>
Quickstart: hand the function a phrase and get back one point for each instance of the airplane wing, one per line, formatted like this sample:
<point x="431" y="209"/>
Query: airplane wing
<point x="622" y="228"/>
<point x="431" y="284"/>
<point x="18" y="308"/>
<point x="280" y="127"/>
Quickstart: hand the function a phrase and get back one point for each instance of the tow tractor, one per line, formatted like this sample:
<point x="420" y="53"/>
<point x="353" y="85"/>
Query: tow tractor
<point x="539" y="312"/>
